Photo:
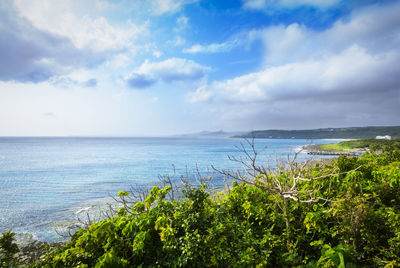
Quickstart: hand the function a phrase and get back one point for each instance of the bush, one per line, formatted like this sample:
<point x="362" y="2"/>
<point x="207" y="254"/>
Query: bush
<point x="8" y="249"/>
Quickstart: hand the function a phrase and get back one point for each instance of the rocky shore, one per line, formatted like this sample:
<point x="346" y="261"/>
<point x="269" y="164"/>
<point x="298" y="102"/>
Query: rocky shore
<point x="315" y="149"/>
<point x="31" y="249"/>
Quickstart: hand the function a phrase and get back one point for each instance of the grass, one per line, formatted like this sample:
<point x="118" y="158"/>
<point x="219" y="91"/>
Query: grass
<point x="336" y="147"/>
<point x="355" y="144"/>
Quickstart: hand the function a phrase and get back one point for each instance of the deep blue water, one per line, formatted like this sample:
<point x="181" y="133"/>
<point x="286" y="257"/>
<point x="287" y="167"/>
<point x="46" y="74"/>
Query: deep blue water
<point x="46" y="180"/>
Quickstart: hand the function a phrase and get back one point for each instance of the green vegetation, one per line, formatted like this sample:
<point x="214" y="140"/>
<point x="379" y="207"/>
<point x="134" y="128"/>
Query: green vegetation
<point x="332" y="147"/>
<point x="8" y="248"/>
<point x="343" y="213"/>
<point x="356" y="144"/>
<point x="326" y="133"/>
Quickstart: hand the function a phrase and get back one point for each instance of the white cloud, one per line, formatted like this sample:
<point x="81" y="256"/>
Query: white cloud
<point x="200" y="95"/>
<point x="182" y="23"/>
<point x="170" y="70"/>
<point x="99" y="35"/>
<point x="121" y="60"/>
<point x="104" y="4"/>
<point x="351" y="72"/>
<point x="373" y="28"/>
<point x="211" y="48"/>
<point x="173" y="69"/>
<point x="94" y="32"/>
<point x="291" y="43"/>
<point x="68" y="82"/>
<point x="160" y="7"/>
<point x="263" y="4"/>
<point x="45" y="39"/>
<point x="177" y="41"/>
<point x="254" y="4"/>
<point x="30" y="54"/>
<point x="157" y="53"/>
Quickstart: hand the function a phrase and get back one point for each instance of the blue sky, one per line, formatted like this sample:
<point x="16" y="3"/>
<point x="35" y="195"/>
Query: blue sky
<point x="162" y="67"/>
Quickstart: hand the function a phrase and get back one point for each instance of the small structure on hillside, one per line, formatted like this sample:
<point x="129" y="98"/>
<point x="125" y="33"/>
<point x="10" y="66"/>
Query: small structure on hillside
<point x="386" y="137"/>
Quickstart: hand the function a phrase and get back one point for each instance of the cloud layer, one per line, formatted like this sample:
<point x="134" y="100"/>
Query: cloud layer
<point x="351" y="72"/>
<point x="350" y="67"/>
<point x="246" y="64"/>
<point x="32" y="55"/>
<point x="93" y="33"/>
<point x="34" y="49"/>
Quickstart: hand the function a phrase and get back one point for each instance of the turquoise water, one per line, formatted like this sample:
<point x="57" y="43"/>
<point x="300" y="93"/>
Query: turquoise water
<point x="47" y="180"/>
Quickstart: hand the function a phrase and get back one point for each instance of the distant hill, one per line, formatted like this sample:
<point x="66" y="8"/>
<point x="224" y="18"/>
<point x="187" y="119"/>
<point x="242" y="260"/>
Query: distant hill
<point x="325" y="133"/>
<point x="220" y="133"/>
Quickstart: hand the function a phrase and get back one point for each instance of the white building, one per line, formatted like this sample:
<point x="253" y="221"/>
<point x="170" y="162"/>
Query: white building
<point x="387" y="137"/>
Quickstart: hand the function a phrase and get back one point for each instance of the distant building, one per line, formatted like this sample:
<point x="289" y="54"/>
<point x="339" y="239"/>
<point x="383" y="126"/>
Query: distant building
<point x="387" y="137"/>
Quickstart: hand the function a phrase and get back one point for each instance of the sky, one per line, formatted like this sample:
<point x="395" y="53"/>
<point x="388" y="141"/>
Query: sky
<point x="164" y="67"/>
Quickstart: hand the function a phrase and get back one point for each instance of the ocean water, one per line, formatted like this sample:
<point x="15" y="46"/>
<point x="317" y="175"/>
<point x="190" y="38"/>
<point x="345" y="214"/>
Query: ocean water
<point x="48" y="180"/>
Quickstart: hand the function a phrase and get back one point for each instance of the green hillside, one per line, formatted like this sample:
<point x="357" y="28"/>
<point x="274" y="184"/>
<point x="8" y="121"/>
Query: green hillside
<point x="326" y="133"/>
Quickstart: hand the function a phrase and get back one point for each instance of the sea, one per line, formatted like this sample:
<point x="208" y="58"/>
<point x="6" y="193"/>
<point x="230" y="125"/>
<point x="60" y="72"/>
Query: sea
<point x="45" y="182"/>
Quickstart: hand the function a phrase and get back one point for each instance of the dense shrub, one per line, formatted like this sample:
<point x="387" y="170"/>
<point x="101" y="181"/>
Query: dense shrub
<point x="8" y="249"/>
